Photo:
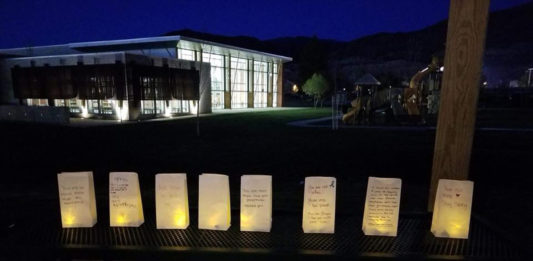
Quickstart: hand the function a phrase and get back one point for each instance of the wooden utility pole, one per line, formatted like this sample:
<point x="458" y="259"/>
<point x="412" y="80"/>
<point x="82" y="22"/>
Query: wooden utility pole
<point x="465" y="44"/>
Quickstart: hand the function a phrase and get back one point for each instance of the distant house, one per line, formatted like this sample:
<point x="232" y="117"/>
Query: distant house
<point x="141" y="78"/>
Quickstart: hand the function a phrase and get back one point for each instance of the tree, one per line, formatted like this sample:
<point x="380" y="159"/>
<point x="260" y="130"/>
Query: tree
<point x="316" y="86"/>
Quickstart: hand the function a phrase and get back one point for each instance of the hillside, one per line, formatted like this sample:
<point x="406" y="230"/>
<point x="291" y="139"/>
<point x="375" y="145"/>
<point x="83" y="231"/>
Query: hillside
<point x="509" y="48"/>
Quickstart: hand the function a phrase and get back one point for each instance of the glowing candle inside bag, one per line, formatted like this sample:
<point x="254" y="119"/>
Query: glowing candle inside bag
<point x="452" y="209"/>
<point x="77" y="199"/>
<point x="171" y="201"/>
<point x="382" y="207"/>
<point x="125" y="204"/>
<point x="214" y="210"/>
<point x="319" y="205"/>
<point x="256" y="203"/>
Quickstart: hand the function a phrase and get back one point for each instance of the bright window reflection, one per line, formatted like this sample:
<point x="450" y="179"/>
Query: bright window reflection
<point x="275" y="85"/>
<point x="217" y="79"/>
<point x="239" y="83"/>
<point x="37" y="102"/>
<point x="186" y="54"/>
<point x="260" y="84"/>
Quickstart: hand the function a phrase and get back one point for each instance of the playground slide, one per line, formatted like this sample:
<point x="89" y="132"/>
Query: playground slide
<point x="352" y="113"/>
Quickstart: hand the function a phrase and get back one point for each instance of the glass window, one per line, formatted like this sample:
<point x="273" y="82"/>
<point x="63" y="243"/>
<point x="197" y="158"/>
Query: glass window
<point x="260" y="66"/>
<point x="260" y="84"/>
<point x="217" y="79"/>
<point x="239" y="63"/>
<point x="239" y="83"/>
<point x="152" y="107"/>
<point x="93" y="106"/>
<point x="175" y="106"/>
<point x="275" y="86"/>
<point x="217" y="99"/>
<point x="74" y="106"/>
<point x="186" y="54"/>
<point x="59" y="102"/>
<point x="239" y="100"/>
<point x="37" y="102"/>
<point x="107" y="107"/>
<point x="213" y="59"/>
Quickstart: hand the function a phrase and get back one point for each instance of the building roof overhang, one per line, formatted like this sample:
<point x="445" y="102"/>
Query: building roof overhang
<point x="138" y="44"/>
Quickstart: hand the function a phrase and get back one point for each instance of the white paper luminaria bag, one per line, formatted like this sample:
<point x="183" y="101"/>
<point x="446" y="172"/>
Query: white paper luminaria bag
<point x="382" y="207"/>
<point x="77" y="199"/>
<point x="214" y="210"/>
<point x="451" y="212"/>
<point x="171" y="201"/>
<point x="256" y="203"/>
<point x="319" y="205"/>
<point x="125" y="204"/>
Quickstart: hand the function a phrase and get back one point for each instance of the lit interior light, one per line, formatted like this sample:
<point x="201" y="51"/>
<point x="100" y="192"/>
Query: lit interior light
<point x="193" y="106"/>
<point x="452" y="211"/>
<point x="122" y="219"/>
<point x="214" y="208"/>
<point x="168" y="111"/>
<point x="180" y="219"/>
<point x="84" y="111"/>
<point x="245" y="221"/>
<point x="69" y="219"/>
<point x="295" y="88"/>
<point x="122" y="113"/>
<point x="214" y="220"/>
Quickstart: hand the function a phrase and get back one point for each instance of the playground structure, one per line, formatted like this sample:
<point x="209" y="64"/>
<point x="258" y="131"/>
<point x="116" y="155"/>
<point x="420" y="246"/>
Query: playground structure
<point x="414" y="104"/>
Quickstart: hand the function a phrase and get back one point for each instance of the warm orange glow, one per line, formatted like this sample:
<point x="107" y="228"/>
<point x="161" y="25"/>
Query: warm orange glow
<point x="245" y="221"/>
<point x="172" y="207"/>
<point x="295" y="88"/>
<point x="122" y="219"/>
<point x="77" y="200"/>
<point x="451" y="214"/>
<point x="69" y="219"/>
<point x="379" y="227"/>
<point x="180" y="219"/>
<point x="214" y="202"/>
<point x="214" y="220"/>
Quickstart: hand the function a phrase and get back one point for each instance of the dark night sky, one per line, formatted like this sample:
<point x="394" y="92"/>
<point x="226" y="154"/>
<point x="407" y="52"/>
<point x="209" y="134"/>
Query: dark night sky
<point x="37" y="22"/>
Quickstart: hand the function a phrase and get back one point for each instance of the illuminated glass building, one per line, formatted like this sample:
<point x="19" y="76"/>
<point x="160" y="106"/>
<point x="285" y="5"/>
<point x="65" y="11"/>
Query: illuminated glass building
<point x="141" y="78"/>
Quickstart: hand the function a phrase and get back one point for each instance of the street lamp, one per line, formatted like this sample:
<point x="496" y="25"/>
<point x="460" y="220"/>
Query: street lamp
<point x="295" y="88"/>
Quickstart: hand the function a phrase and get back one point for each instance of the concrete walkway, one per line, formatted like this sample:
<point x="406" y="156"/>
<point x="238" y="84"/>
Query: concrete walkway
<point x="79" y="122"/>
<point x="315" y="123"/>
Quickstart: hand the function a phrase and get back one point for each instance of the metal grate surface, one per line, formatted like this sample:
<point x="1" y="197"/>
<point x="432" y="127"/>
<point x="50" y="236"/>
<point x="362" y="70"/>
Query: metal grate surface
<point x="286" y="238"/>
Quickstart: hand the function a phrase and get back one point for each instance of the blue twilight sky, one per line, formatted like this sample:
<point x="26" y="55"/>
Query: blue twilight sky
<point x="38" y="22"/>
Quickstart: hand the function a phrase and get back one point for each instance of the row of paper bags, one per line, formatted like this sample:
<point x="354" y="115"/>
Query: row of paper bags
<point x="451" y="216"/>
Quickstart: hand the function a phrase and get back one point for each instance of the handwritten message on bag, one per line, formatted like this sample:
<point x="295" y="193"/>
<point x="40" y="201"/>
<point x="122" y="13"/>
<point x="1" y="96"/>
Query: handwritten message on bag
<point x="125" y="205"/>
<point x="256" y="203"/>
<point x="319" y="205"/>
<point x="452" y="209"/>
<point x="171" y="201"/>
<point x="76" y="199"/>
<point x="382" y="207"/>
